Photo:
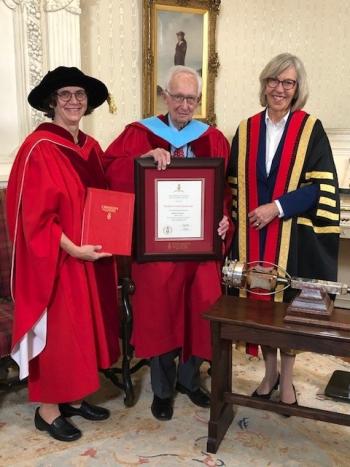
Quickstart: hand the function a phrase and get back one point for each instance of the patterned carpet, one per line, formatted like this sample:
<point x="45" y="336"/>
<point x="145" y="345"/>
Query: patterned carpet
<point x="133" y="437"/>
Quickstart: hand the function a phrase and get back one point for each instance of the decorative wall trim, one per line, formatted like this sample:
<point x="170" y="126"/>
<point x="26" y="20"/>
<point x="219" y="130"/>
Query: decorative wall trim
<point x="10" y="4"/>
<point x="40" y="48"/>
<point x="46" y="34"/>
<point x="62" y="36"/>
<point x="72" y="6"/>
<point x="62" y="28"/>
<point x="339" y="139"/>
<point x="29" y="57"/>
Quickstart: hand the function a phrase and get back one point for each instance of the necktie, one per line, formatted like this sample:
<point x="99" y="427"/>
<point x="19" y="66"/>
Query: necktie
<point x="179" y="153"/>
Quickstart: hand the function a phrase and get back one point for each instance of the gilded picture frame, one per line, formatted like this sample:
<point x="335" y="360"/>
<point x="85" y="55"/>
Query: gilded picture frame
<point x="179" y="32"/>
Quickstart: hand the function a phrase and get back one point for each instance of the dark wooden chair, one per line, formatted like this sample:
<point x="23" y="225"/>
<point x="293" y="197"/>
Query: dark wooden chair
<point x="126" y="287"/>
<point x="8" y="368"/>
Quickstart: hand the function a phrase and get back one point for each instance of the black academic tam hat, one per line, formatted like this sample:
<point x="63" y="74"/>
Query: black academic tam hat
<point x="63" y="76"/>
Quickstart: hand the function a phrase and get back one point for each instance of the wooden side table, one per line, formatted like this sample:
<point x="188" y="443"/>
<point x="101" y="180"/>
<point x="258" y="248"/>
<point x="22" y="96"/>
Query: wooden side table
<point x="236" y="319"/>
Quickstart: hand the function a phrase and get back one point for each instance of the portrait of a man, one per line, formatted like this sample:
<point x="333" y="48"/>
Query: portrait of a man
<point x="188" y="28"/>
<point x="180" y="49"/>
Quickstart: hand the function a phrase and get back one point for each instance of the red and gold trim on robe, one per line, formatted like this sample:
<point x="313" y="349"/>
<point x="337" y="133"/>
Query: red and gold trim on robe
<point x="305" y="158"/>
<point x="288" y="178"/>
<point x="327" y="203"/>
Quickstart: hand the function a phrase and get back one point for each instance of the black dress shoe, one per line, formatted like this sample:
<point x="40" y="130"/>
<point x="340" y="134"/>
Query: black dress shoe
<point x="198" y="397"/>
<point x="86" y="410"/>
<point x="162" y="409"/>
<point x="295" y="403"/>
<point x="60" y="428"/>
<point x="269" y="394"/>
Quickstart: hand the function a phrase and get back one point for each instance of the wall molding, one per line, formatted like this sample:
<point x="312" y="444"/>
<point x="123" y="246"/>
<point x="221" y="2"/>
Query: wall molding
<point x="46" y="34"/>
<point x="72" y="6"/>
<point x="339" y="139"/>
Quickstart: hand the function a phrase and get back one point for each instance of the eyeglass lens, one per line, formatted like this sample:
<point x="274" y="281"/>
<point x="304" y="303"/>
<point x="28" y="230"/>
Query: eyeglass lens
<point x="179" y="98"/>
<point x="286" y="83"/>
<point x="67" y="95"/>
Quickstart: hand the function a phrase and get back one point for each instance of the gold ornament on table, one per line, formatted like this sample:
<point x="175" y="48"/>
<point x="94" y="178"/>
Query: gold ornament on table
<point x="312" y="306"/>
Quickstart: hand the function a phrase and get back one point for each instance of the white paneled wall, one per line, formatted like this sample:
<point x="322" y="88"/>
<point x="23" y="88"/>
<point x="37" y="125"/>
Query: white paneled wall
<point x="35" y="36"/>
<point x="111" y="50"/>
<point x="9" y="121"/>
<point x="249" y="33"/>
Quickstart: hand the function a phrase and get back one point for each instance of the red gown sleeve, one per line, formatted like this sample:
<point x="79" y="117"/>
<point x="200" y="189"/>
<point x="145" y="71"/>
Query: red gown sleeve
<point x="34" y="206"/>
<point x="118" y="160"/>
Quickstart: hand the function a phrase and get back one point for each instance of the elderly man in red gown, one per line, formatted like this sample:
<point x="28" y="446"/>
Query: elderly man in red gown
<point x="170" y="297"/>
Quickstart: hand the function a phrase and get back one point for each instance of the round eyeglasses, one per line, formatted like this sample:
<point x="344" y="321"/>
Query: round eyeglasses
<point x="286" y="83"/>
<point x="66" y="96"/>
<point x="179" y="98"/>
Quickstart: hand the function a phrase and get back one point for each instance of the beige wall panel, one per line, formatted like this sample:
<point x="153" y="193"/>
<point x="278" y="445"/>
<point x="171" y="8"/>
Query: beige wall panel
<point x="249" y="33"/>
<point x="111" y="51"/>
<point x="9" y="121"/>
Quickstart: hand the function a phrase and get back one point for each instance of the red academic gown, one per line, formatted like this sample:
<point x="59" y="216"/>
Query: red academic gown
<point x="170" y="297"/>
<point x="45" y="197"/>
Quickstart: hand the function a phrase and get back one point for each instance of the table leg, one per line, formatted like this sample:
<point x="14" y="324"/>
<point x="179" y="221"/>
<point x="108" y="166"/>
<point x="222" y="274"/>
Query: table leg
<point x="221" y="413"/>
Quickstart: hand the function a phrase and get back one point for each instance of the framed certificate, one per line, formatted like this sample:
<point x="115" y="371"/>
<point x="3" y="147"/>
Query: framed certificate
<point x="178" y="210"/>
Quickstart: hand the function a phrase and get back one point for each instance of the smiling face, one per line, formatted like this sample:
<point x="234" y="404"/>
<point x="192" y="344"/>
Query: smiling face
<point x="68" y="113"/>
<point x="279" y="100"/>
<point x="182" y="84"/>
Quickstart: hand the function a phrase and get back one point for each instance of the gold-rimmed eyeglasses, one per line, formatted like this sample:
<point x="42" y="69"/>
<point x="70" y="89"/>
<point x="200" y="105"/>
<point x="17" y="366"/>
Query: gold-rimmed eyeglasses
<point x="286" y="83"/>
<point x="66" y="96"/>
<point x="180" y="98"/>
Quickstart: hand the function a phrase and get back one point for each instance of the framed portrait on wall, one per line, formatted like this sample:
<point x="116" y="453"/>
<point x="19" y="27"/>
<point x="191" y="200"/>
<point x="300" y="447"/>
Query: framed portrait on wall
<point x="179" y="32"/>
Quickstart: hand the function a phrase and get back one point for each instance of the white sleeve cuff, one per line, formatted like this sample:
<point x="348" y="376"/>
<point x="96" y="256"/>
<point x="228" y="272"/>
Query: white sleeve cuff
<point x="279" y="207"/>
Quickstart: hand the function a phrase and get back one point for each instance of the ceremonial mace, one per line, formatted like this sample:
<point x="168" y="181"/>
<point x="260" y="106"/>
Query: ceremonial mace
<point x="311" y="306"/>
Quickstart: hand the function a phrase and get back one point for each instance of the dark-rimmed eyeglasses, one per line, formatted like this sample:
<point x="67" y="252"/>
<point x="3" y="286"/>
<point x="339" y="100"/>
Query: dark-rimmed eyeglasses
<point x="66" y="96"/>
<point x="286" y="83"/>
<point x="179" y="98"/>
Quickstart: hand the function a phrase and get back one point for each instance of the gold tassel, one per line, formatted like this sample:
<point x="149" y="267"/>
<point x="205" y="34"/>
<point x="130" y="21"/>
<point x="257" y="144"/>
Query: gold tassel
<point x="111" y="104"/>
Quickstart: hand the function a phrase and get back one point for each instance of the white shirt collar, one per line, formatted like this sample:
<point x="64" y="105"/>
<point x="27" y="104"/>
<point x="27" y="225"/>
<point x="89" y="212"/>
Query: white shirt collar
<point x="281" y="123"/>
<point x="171" y="123"/>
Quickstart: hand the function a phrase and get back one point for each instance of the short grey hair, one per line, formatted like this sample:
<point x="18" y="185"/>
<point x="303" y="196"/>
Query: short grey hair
<point x="275" y="67"/>
<point x="180" y="69"/>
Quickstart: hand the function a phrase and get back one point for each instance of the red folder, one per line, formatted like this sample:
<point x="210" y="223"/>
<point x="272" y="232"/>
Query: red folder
<point x="108" y="220"/>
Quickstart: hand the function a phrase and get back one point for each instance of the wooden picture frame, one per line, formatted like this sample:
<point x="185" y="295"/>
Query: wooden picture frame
<point x="163" y="21"/>
<point x="178" y="210"/>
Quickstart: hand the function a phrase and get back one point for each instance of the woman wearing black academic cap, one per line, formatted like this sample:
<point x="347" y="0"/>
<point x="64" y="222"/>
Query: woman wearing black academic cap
<point x="65" y="325"/>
